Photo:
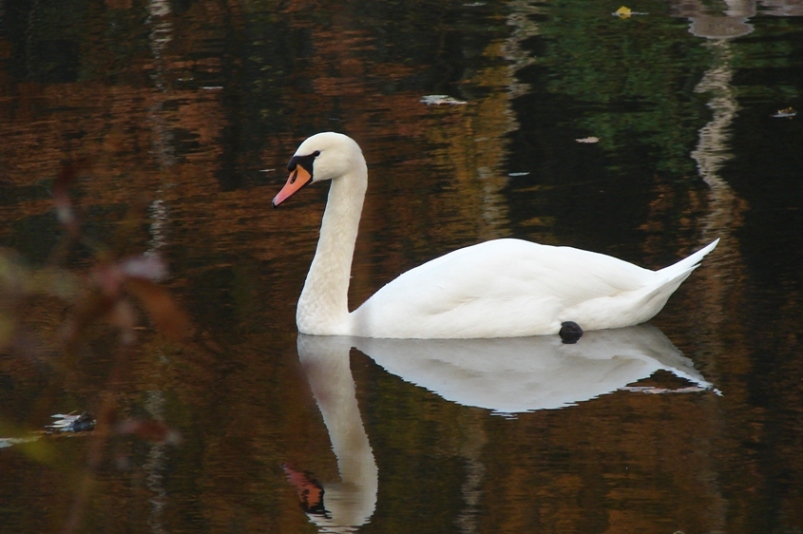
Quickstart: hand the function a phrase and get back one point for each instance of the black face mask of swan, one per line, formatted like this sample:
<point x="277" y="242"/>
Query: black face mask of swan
<point x="498" y="288"/>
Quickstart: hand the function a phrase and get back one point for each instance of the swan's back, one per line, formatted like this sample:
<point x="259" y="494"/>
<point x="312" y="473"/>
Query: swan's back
<point x="510" y="287"/>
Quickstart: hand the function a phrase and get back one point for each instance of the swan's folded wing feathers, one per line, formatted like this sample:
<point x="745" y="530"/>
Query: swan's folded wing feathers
<point x="502" y="281"/>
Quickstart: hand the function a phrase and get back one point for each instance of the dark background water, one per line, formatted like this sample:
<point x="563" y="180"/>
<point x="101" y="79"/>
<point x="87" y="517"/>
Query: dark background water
<point x="191" y="109"/>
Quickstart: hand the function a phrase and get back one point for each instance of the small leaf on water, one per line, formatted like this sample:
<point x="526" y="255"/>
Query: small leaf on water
<point x="623" y="12"/>
<point x="71" y="422"/>
<point x="784" y="113"/>
<point x="437" y="100"/>
<point x="589" y="140"/>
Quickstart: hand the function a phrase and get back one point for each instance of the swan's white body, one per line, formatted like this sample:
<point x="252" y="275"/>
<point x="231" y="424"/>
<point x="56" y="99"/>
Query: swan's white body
<point x="499" y="288"/>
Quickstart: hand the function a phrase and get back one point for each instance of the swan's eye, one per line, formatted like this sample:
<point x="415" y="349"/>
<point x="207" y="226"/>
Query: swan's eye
<point x="304" y="161"/>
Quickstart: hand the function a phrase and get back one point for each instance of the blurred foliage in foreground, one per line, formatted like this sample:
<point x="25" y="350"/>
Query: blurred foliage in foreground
<point x="111" y="291"/>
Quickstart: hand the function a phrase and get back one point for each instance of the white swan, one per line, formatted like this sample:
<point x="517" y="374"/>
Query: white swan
<point x="499" y="288"/>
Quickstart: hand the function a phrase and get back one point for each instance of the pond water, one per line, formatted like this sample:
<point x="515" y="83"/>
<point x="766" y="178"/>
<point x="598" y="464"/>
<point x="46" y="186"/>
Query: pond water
<point x="643" y="136"/>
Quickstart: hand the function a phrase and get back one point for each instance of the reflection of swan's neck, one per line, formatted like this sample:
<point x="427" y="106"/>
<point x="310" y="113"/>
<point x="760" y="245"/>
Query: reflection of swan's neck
<point x="341" y="415"/>
<point x="326" y="363"/>
<point x="323" y="305"/>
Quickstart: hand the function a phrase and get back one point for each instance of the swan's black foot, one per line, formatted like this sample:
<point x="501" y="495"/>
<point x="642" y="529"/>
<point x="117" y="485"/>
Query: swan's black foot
<point x="570" y="332"/>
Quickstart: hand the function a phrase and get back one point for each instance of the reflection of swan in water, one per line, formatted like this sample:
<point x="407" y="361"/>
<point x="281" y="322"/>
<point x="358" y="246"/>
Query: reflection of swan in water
<point x="507" y="375"/>
<point x="534" y="373"/>
<point x="341" y="506"/>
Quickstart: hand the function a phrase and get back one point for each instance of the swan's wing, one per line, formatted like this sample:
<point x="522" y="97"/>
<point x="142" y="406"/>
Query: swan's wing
<point x="504" y="287"/>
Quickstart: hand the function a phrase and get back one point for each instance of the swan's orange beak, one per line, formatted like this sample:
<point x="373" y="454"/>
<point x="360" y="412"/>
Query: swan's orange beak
<point x="298" y="179"/>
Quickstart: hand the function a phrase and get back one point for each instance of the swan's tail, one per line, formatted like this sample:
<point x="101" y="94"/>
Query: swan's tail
<point x="684" y="267"/>
<point x="667" y="280"/>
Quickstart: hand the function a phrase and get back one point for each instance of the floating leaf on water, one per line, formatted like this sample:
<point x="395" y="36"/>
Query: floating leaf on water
<point x="589" y="140"/>
<point x="437" y="100"/>
<point x="786" y="113"/>
<point x="65" y="422"/>
<point x="623" y="12"/>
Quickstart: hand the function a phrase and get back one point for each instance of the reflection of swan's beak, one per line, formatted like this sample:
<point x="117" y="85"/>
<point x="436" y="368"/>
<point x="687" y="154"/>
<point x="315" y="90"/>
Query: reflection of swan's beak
<point x="310" y="492"/>
<point x="297" y="179"/>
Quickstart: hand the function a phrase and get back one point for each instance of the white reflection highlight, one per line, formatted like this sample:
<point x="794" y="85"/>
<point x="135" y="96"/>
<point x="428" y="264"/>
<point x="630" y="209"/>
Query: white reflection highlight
<point x="514" y="375"/>
<point x="709" y="23"/>
<point x="351" y="502"/>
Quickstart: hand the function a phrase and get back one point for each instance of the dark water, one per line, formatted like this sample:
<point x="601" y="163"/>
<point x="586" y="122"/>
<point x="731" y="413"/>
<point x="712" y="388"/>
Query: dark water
<point x="191" y="109"/>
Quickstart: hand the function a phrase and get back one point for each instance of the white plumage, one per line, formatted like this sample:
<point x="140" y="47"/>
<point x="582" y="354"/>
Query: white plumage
<point x="499" y="288"/>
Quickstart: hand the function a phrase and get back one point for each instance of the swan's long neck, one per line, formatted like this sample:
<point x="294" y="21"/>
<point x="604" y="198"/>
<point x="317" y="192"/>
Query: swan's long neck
<point x="323" y="305"/>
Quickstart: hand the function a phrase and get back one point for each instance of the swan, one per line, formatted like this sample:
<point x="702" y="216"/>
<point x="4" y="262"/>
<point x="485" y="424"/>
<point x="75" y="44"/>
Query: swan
<point x="499" y="288"/>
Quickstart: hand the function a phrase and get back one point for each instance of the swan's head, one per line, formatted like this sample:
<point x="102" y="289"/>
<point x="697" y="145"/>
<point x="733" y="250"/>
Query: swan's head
<point x="324" y="156"/>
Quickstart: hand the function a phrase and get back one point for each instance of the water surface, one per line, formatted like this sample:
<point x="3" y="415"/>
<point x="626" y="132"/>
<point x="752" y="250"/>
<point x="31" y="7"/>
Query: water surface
<point x="191" y="110"/>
